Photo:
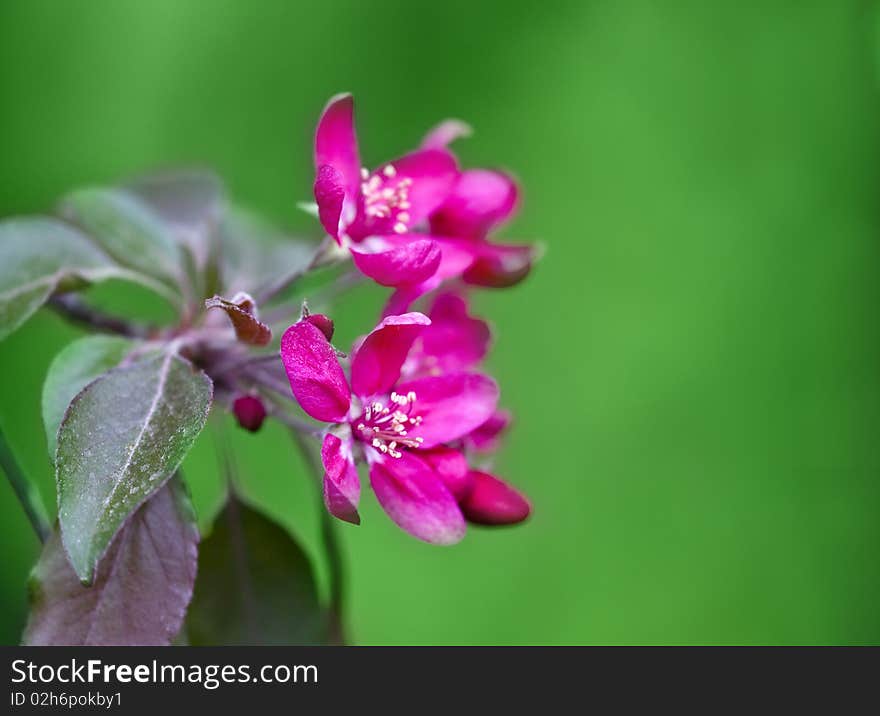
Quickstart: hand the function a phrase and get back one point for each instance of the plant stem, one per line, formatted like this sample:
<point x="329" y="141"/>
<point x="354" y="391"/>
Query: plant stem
<point x="75" y="310"/>
<point x="336" y="562"/>
<point x="319" y="258"/>
<point x="297" y="424"/>
<point x="25" y="490"/>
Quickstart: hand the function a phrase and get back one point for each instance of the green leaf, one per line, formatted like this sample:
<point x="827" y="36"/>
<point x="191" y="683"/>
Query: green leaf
<point x="122" y="437"/>
<point x="255" y="253"/>
<point x="39" y="256"/>
<point x="77" y="365"/>
<point x="255" y="585"/>
<point x="142" y="586"/>
<point x="128" y="230"/>
<point x="192" y="203"/>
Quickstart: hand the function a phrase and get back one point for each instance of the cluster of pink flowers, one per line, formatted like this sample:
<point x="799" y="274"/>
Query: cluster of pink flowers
<point x="413" y="406"/>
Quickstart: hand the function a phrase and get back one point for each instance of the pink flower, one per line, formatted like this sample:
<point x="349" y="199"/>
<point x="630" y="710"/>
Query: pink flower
<point x="372" y="214"/>
<point x="458" y="341"/>
<point x="402" y="427"/>
<point x="480" y="201"/>
<point x="454" y="341"/>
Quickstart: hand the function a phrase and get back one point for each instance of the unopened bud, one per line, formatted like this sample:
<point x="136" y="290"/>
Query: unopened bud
<point x="493" y="502"/>
<point x="322" y="323"/>
<point x="249" y="411"/>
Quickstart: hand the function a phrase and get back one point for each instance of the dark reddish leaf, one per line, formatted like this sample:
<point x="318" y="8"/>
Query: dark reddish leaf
<point x="142" y="586"/>
<point x="242" y="311"/>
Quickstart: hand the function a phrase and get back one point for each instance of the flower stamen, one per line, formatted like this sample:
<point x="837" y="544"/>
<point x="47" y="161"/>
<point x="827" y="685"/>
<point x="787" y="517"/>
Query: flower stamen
<point x="385" y="427"/>
<point x="386" y="199"/>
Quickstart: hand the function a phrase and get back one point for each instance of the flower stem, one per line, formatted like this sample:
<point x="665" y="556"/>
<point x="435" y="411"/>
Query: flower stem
<point x="25" y="490"/>
<point x="336" y="562"/>
<point x="319" y="258"/>
<point x="297" y="424"/>
<point x="75" y="310"/>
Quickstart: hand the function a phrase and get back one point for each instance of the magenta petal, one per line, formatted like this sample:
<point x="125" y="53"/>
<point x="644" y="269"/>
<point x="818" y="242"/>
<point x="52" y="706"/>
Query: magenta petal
<point x="480" y="200"/>
<point x="493" y="502"/>
<point x="456" y="256"/>
<point x="446" y="133"/>
<point x="499" y="265"/>
<point x="450" y="406"/>
<point x="336" y="143"/>
<point x="403" y="297"/>
<point x="316" y="378"/>
<point x="375" y="367"/>
<point x="451" y="467"/>
<point x="455" y="341"/>
<point x="397" y="260"/>
<point x="486" y="437"/>
<point x="330" y="197"/>
<point x="342" y="489"/>
<point x="433" y="173"/>
<point x="416" y="499"/>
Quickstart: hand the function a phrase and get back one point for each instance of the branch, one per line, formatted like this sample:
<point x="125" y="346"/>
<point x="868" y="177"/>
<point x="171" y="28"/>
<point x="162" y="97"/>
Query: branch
<point x="336" y="561"/>
<point x="77" y="311"/>
<point x="25" y="490"/>
<point x="321" y="256"/>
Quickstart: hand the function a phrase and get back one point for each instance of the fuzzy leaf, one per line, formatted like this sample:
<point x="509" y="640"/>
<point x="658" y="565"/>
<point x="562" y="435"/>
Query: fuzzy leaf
<point x="190" y="201"/>
<point x="142" y="586"/>
<point x="255" y="585"/>
<point x="255" y="253"/>
<point x="122" y="437"/>
<point x="127" y="229"/>
<point x="242" y="312"/>
<point x="77" y="365"/>
<point x="39" y="256"/>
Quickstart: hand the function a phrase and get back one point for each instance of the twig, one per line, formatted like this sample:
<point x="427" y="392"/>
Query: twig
<point x="266" y="380"/>
<point x="319" y="258"/>
<point x="336" y="561"/>
<point x="25" y="490"/>
<point x="321" y="297"/>
<point x="298" y="424"/>
<point x="75" y="310"/>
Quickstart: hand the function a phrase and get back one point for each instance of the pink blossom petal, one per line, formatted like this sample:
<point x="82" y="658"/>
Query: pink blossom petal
<point x="451" y="405"/>
<point x="330" y="197"/>
<point x="446" y="133"/>
<point x="397" y="260"/>
<point x="480" y="200"/>
<point x="500" y="265"/>
<point x="375" y="367"/>
<point x="316" y="378"/>
<point x="433" y="173"/>
<point x="455" y="341"/>
<point x="416" y="499"/>
<point x="342" y="488"/>
<point x="486" y="437"/>
<point x="336" y="143"/>
<point x="493" y="502"/>
<point x="451" y="467"/>
<point x="456" y="256"/>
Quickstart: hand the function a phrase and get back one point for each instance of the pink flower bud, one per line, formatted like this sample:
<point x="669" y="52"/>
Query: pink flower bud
<point x="493" y="502"/>
<point x="322" y="323"/>
<point x="249" y="411"/>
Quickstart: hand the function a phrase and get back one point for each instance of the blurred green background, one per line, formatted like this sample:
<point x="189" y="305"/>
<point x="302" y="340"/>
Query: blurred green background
<point x="695" y="365"/>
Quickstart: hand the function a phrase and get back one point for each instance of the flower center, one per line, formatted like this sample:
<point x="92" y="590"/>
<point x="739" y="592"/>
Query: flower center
<point x="386" y="198"/>
<point x="386" y="427"/>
